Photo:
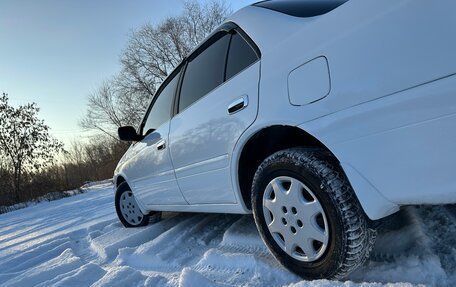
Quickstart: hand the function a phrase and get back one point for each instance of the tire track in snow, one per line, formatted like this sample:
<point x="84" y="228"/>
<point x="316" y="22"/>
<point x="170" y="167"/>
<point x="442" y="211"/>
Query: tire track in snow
<point x="438" y="223"/>
<point x="59" y="265"/>
<point x="78" y="241"/>
<point x="85" y="275"/>
<point x="37" y="255"/>
<point x="53" y="219"/>
<point x="54" y="244"/>
<point x="241" y="258"/>
<point x="420" y="249"/>
<point x="34" y="238"/>
<point x="108" y="243"/>
<point x="181" y="245"/>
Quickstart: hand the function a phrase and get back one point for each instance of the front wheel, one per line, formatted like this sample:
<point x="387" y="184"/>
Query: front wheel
<point x="127" y="208"/>
<point x="308" y="216"/>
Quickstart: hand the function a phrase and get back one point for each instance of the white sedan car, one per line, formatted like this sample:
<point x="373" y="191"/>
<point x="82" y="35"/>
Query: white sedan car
<point x="320" y="117"/>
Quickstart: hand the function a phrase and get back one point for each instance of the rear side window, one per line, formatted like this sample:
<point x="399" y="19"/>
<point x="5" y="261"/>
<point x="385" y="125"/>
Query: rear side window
<point x="240" y="56"/>
<point x="204" y="72"/>
<point x="305" y="8"/>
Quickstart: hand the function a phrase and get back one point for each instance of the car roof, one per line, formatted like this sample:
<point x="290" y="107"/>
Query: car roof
<point x="266" y="21"/>
<point x="269" y="27"/>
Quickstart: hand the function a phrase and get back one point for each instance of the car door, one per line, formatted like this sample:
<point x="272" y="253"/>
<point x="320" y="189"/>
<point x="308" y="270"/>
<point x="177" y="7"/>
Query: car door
<point x="217" y="103"/>
<point x="151" y="175"/>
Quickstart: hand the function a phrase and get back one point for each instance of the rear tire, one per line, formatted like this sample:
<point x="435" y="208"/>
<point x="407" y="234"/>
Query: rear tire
<point x="308" y="216"/>
<point x="127" y="208"/>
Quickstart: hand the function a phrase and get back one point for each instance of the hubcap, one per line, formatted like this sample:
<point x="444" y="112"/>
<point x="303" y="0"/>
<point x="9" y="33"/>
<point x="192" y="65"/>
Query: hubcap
<point x="295" y="218"/>
<point x="129" y="208"/>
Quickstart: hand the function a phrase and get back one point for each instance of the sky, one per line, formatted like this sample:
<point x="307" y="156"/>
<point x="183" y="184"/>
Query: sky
<point x="56" y="52"/>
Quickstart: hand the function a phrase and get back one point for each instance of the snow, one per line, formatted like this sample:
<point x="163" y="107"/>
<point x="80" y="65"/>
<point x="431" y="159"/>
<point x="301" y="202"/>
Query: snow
<point x="54" y="195"/>
<point x="78" y="241"/>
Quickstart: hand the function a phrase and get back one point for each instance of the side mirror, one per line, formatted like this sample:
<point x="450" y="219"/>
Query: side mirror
<point x="128" y="133"/>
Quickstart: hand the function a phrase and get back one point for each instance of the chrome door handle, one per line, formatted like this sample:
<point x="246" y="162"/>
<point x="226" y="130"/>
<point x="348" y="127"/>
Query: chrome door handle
<point x="161" y="144"/>
<point x="238" y="105"/>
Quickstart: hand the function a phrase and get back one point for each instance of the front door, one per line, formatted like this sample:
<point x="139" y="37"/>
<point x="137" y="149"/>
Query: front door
<point x="152" y="176"/>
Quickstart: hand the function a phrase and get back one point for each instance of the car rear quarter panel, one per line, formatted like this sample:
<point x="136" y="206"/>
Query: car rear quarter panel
<point x="390" y="111"/>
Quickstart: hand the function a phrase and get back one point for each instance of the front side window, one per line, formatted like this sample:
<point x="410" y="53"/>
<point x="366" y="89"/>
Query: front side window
<point x="240" y="56"/>
<point x="162" y="105"/>
<point x="204" y="72"/>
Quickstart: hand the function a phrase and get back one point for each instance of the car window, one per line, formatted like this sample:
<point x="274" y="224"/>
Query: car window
<point x="204" y="72"/>
<point x="240" y="56"/>
<point x="161" y="106"/>
<point x="302" y="9"/>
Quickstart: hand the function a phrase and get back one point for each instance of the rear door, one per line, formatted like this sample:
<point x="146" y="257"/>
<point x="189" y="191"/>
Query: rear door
<point x="217" y="103"/>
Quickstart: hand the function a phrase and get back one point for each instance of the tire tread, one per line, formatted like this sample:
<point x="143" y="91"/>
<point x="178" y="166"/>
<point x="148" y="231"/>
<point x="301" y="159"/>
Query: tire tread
<point x="360" y="237"/>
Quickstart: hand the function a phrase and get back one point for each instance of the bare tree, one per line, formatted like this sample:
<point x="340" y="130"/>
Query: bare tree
<point x="24" y="140"/>
<point x="109" y="108"/>
<point x="152" y="52"/>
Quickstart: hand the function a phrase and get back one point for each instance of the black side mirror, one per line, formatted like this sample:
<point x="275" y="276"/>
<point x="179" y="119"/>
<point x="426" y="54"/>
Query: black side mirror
<point x="128" y="133"/>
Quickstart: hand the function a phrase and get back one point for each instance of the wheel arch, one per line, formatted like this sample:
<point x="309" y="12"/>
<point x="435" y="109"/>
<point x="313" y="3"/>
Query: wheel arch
<point x="119" y="179"/>
<point x="262" y="144"/>
<point x="270" y="139"/>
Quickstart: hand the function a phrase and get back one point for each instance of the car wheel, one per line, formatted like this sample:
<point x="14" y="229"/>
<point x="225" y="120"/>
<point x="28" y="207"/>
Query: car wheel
<point x="308" y="216"/>
<point x="127" y="208"/>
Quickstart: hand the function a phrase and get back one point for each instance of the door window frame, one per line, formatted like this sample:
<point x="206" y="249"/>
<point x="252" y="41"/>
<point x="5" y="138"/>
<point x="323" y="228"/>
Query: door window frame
<point x="169" y="78"/>
<point x="226" y="28"/>
<point x="214" y="37"/>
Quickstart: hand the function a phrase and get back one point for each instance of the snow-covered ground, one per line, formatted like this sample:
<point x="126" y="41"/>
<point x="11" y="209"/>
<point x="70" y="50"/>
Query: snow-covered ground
<point x="78" y="241"/>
